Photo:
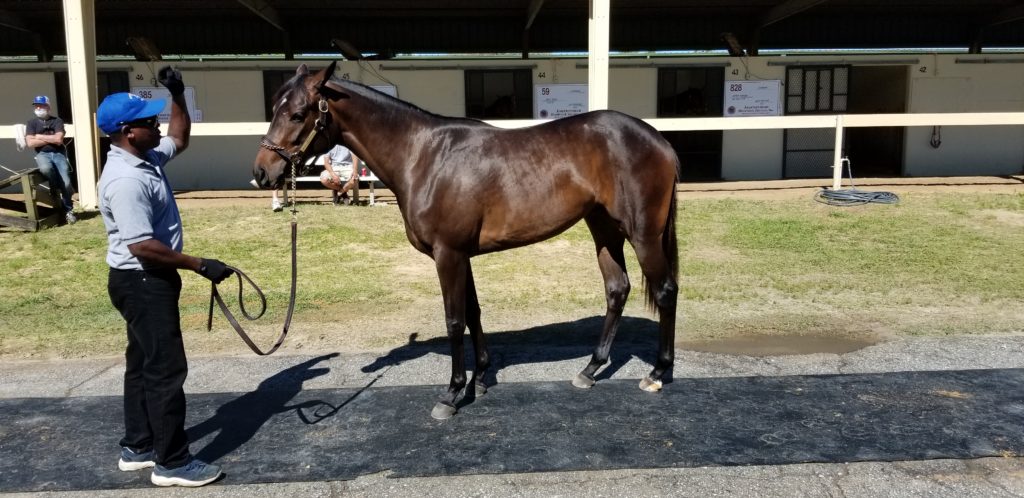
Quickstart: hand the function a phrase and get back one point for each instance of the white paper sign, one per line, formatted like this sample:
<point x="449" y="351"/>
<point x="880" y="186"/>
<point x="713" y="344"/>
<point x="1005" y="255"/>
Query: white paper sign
<point x="752" y="98"/>
<point x="159" y="92"/>
<point x="559" y="101"/>
<point x="388" y="89"/>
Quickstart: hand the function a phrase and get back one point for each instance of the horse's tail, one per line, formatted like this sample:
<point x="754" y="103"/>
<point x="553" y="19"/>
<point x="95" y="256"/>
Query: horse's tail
<point x="670" y="248"/>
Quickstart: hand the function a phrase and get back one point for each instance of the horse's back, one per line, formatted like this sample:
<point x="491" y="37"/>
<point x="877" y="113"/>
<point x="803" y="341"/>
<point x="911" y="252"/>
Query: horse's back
<point x="535" y="182"/>
<point x="628" y="162"/>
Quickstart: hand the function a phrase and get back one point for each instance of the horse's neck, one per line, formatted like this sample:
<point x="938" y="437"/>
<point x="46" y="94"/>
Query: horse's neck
<point x="384" y="134"/>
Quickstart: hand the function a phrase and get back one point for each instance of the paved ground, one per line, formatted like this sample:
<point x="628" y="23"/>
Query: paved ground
<point x="959" y="478"/>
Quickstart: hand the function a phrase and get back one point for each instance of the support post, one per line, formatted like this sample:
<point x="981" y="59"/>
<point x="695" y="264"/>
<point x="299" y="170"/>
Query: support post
<point x="837" y="158"/>
<point x="80" y="32"/>
<point x="597" y="68"/>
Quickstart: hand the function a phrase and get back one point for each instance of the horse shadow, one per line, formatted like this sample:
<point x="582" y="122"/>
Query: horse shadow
<point x="636" y="338"/>
<point x="238" y="420"/>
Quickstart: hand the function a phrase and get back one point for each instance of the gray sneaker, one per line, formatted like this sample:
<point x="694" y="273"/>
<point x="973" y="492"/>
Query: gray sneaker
<point x="130" y="460"/>
<point x="71" y="218"/>
<point x="193" y="474"/>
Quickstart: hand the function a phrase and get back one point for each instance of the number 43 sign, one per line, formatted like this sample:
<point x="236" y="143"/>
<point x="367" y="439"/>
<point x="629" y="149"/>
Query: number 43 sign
<point x="159" y="92"/>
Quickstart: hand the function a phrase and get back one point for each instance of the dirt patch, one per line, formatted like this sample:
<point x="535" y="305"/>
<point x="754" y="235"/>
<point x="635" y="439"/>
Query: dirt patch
<point x="777" y="345"/>
<point x="795" y="189"/>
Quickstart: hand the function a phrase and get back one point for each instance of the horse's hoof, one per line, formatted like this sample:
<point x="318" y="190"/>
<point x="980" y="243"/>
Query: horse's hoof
<point x="442" y="411"/>
<point x="583" y="381"/>
<point x="651" y="386"/>
<point x="480" y="388"/>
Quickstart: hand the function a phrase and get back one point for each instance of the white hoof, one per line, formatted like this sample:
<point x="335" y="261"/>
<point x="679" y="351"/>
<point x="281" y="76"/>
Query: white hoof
<point x="583" y="382"/>
<point x="651" y="386"/>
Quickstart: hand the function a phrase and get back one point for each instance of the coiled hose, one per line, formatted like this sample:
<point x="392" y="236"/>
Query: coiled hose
<point x="853" y="196"/>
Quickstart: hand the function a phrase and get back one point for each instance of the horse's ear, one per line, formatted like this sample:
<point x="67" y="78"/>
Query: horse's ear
<point x="328" y="88"/>
<point x="328" y="73"/>
<point x="302" y="70"/>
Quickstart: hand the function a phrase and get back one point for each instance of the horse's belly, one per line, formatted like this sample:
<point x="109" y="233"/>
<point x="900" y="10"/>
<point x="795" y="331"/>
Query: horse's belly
<point x="521" y="232"/>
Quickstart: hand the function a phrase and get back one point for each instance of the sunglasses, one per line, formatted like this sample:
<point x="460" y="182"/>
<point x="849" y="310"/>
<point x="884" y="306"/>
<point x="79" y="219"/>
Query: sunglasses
<point x="150" y="122"/>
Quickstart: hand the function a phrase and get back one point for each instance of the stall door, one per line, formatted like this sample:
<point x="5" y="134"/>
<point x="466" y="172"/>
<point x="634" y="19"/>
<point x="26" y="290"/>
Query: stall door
<point x="813" y="90"/>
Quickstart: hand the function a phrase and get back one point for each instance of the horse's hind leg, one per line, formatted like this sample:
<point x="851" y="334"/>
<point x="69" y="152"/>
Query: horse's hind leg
<point x="663" y="292"/>
<point x="453" y="273"/>
<point x="610" y="259"/>
<point x="476" y="332"/>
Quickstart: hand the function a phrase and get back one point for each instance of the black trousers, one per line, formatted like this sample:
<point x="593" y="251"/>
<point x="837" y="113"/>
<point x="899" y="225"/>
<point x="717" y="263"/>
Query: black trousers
<point x="155" y="365"/>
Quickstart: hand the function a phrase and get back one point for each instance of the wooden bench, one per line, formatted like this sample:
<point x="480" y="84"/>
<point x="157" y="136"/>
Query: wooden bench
<point x="36" y="201"/>
<point x="369" y="178"/>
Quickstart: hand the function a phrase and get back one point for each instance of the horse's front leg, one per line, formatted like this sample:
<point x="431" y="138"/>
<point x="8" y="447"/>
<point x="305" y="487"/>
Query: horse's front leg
<point x="453" y="272"/>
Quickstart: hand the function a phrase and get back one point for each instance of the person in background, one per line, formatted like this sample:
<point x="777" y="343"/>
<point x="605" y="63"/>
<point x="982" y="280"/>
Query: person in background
<point x="340" y="173"/>
<point x="144" y="253"/>
<point x="45" y="133"/>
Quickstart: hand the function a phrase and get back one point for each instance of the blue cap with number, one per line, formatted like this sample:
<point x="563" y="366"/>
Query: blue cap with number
<point x="120" y="108"/>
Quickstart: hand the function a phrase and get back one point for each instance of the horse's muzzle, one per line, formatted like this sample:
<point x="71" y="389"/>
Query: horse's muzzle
<point x="260" y="175"/>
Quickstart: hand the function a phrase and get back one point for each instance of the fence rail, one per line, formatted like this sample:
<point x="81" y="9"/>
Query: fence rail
<point x="836" y="121"/>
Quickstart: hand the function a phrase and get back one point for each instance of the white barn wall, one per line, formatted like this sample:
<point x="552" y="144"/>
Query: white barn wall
<point x="220" y="162"/>
<point x="232" y="91"/>
<point x="633" y="91"/>
<point x="940" y="84"/>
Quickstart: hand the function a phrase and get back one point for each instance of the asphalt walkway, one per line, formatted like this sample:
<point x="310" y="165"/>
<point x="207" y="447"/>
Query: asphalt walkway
<point x="979" y="372"/>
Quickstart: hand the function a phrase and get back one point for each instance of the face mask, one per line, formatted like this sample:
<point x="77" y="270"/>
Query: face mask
<point x="42" y="113"/>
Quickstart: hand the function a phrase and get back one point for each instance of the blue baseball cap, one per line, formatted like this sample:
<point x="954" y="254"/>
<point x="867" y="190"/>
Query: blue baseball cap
<point x="120" y="108"/>
<point x="41" y="100"/>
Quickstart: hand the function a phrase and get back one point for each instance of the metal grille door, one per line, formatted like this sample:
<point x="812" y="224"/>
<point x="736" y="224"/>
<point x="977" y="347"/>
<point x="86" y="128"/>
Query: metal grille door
<point x="813" y="90"/>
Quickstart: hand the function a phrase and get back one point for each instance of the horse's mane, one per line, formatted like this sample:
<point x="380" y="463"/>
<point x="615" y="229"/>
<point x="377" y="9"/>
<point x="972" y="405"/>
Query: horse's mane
<point x="384" y="99"/>
<point x="370" y="93"/>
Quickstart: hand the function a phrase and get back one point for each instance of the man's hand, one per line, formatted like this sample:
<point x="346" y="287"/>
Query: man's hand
<point x="214" y="270"/>
<point x="171" y="79"/>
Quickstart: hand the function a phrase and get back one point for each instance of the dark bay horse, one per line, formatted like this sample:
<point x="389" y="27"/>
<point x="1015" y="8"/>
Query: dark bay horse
<point x="466" y="188"/>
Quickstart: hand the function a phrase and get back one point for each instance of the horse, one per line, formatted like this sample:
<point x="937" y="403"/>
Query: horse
<point x="466" y="188"/>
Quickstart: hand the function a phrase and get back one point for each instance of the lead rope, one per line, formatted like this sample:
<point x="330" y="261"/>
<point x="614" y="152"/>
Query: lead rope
<point x="215" y="296"/>
<point x="294" y="159"/>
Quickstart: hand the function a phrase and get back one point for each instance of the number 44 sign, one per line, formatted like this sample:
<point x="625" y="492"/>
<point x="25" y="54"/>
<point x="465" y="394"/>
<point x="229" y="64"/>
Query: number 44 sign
<point x="752" y="98"/>
<point x="159" y="92"/>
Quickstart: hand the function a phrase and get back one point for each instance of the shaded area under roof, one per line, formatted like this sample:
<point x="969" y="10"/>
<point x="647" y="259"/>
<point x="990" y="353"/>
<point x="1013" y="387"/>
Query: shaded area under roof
<point x="207" y="27"/>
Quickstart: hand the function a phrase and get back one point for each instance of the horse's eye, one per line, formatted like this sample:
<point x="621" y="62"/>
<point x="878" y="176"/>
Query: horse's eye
<point x="298" y="117"/>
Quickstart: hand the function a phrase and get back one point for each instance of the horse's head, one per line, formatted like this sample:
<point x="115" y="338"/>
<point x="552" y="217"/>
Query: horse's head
<point x="298" y="106"/>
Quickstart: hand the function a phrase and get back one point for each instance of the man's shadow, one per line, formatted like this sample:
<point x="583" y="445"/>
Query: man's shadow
<point x="636" y="338"/>
<point x="238" y="420"/>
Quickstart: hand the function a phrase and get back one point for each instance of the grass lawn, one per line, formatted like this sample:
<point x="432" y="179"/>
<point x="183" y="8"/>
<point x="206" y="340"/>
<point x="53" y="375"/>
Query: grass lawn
<point x="934" y="264"/>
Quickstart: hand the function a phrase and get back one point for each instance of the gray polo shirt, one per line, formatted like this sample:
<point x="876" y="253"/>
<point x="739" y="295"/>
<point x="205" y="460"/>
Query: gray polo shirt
<point x="137" y="203"/>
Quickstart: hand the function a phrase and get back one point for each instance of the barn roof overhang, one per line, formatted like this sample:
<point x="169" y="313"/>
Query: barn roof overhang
<point x="382" y="28"/>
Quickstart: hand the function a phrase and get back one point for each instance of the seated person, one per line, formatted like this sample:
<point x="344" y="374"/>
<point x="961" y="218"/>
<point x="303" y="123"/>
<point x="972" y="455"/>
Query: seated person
<point x="340" y="173"/>
<point x="275" y="201"/>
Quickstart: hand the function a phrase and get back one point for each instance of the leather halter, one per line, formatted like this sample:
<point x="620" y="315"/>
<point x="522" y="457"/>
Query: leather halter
<point x="295" y="157"/>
